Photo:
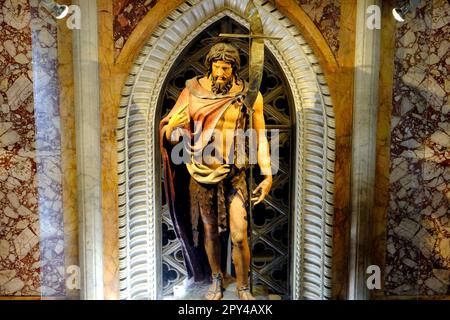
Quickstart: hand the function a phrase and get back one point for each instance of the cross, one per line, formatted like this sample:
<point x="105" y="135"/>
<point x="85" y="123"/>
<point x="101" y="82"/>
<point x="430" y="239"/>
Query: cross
<point x="248" y="36"/>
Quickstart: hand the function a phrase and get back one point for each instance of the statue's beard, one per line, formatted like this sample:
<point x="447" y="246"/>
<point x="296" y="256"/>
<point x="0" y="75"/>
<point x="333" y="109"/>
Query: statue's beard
<point x="221" y="88"/>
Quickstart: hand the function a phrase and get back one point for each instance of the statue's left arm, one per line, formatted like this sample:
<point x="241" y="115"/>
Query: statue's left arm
<point x="263" y="151"/>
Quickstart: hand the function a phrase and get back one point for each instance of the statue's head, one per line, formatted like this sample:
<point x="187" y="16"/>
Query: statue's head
<point x="223" y="64"/>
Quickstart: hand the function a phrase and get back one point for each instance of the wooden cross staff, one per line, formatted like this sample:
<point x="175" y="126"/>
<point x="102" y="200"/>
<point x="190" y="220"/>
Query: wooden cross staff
<point x="256" y="62"/>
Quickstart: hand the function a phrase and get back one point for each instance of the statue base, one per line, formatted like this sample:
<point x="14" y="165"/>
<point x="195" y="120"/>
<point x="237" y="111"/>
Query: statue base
<point x="197" y="291"/>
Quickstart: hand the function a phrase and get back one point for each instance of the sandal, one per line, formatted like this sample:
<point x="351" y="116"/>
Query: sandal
<point x="215" y="291"/>
<point x="244" y="293"/>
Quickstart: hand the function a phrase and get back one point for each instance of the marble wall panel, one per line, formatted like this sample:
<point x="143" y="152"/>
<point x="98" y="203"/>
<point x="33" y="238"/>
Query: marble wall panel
<point x="326" y="16"/>
<point x="19" y="216"/>
<point x="30" y="192"/>
<point x="127" y="15"/>
<point x="418" y="228"/>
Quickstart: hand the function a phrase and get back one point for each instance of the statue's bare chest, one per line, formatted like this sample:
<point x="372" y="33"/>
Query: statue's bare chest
<point x="229" y="118"/>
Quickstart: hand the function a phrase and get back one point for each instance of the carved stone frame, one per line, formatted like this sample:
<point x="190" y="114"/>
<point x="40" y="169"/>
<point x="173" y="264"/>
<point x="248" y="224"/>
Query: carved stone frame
<point x="139" y="221"/>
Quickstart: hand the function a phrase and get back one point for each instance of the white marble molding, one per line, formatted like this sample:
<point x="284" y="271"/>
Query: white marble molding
<point x="89" y="181"/>
<point x="138" y="154"/>
<point x="367" y="72"/>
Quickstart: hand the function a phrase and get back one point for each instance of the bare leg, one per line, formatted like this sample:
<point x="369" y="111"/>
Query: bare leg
<point x="212" y="248"/>
<point x="241" y="251"/>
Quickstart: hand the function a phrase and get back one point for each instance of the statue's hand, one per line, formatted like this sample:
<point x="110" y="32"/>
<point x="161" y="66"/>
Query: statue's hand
<point x="178" y="119"/>
<point x="262" y="189"/>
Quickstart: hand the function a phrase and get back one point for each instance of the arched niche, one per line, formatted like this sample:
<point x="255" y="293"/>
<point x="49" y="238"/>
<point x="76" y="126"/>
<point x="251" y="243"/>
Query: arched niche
<point x="313" y="168"/>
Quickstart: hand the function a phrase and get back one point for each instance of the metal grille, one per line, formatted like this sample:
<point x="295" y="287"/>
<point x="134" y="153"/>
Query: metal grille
<point x="271" y="231"/>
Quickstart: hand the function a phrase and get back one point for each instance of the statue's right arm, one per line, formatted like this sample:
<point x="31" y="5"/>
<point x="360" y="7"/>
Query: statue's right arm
<point x="178" y="117"/>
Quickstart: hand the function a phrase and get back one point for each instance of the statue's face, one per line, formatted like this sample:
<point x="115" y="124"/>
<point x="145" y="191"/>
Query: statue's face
<point x="222" y="71"/>
<point x="221" y="77"/>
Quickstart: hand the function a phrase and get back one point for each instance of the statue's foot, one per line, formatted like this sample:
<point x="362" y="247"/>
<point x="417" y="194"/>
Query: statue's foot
<point x="244" y="293"/>
<point x="215" y="291"/>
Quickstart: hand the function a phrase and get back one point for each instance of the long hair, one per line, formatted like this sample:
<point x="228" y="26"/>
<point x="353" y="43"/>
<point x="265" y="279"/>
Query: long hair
<point x="224" y="52"/>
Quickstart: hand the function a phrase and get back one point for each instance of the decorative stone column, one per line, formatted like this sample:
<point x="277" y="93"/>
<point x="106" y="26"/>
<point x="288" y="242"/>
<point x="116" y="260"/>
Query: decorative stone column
<point x="367" y="60"/>
<point x="87" y="117"/>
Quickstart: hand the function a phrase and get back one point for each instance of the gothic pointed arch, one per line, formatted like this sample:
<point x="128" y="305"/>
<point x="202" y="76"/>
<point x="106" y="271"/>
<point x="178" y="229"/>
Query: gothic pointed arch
<point x="313" y="168"/>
